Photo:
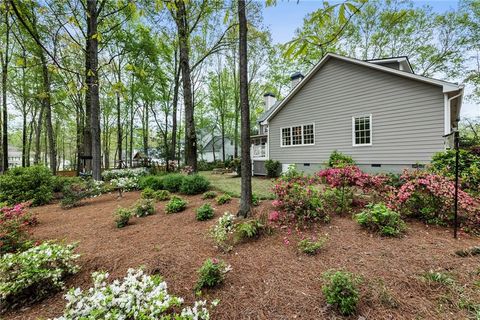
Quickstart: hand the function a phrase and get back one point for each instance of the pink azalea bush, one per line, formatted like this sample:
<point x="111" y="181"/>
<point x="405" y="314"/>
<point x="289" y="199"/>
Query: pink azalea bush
<point x="431" y="197"/>
<point x="14" y="222"/>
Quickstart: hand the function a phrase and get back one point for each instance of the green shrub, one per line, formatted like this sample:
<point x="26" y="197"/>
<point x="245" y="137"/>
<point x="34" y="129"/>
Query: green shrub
<point x="209" y="195"/>
<point x="255" y="200"/>
<point x="379" y="218"/>
<point x="151" y="182"/>
<point x="273" y="168"/>
<point x="311" y="247"/>
<point x="162" y="195"/>
<point x="33" y="274"/>
<point x="236" y="165"/>
<point x="144" y="207"/>
<point x="469" y="168"/>
<point x="338" y="200"/>
<point x="73" y="194"/>
<point x="122" y="216"/>
<point x="341" y="291"/>
<point x="148" y="193"/>
<point x="26" y="184"/>
<point x="224" y="198"/>
<point x="59" y="182"/>
<point x="248" y="230"/>
<point x="172" y="182"/>
<point x="176" y="204"/>
<point x="339" y="160"/>
<point x="205" y="212"/>
<point x="211" y="274"/>
<point x="194" y="184"/>
<point x="438" y="277"/>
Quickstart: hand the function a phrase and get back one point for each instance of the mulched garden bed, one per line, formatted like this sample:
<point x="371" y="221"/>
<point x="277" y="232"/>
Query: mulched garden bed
<point x="270" y="279"/>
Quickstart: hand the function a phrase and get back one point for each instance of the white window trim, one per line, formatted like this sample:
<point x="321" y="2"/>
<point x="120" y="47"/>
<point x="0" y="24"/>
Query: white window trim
<point x="291" y="136"/>
<point x="353" y="131"/>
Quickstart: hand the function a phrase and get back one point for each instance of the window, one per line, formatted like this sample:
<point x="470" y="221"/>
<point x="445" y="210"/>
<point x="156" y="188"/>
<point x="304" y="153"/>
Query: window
<point x="298" y="135"/>
<point x="286" y="136"/>
<point x="362" y="130"/>
<point x="308" y="134"/>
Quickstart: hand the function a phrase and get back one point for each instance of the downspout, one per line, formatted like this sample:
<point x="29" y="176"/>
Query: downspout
<point x="448" y="102"/>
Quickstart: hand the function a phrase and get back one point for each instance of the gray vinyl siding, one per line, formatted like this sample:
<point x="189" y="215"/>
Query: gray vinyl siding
<point x="407" y="117"/>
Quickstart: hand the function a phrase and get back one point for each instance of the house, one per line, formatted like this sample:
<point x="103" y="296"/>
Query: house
<point x="211" y="148"/>
<point x="378" y="111"/>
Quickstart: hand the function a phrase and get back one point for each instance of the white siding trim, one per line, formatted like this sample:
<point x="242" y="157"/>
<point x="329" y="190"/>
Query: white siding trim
<point x="447" y="128"/>
<point x="353" y="131"/>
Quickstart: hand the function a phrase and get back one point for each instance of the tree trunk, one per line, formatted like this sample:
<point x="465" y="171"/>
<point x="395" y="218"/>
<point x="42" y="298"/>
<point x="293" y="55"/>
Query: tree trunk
<point x="38" y="136"/>
<point x="24" y="109"/>
<point x="5" y="60"/>
<point x="92" y="98"/>
<point x="184" y="47"/>
<point x="46" y="100"/>
<point x="176" y="86"/>
<point x="246" y="164"/>
<point x="145" y="129"/>
<point x="119" y="121"/>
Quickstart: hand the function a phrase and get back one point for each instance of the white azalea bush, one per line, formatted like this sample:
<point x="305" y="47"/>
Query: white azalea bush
<point x="136" y="296"/>
<point x="124" y="184"/>
<point x="108" y="175"/>
<point x="32" y="274"/>
<point x="221" y="231"/>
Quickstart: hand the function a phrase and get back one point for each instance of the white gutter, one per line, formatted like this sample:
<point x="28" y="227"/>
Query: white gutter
<point x="448" y="107"/>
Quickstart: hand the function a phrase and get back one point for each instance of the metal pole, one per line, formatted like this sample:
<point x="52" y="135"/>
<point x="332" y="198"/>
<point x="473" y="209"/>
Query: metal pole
<point x="457" y="143"/>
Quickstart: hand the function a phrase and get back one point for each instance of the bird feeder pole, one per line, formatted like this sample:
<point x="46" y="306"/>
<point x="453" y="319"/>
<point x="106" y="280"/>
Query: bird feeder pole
<point x="456" y="138"/>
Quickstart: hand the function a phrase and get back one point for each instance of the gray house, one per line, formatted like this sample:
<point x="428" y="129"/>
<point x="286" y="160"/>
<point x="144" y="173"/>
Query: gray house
<point x="378" y="111"/>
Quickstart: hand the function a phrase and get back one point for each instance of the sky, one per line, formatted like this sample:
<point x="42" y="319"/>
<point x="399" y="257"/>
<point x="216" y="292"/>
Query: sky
<point x="284" y="18"/>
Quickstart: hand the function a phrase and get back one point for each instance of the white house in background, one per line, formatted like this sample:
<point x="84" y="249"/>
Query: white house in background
<point x="378" y="111"/>
<point x="211" y="148"/>
<point x="14" y="157"/>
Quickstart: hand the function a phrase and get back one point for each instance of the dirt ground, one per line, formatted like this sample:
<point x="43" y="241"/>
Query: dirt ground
<point x="270" y="279"/>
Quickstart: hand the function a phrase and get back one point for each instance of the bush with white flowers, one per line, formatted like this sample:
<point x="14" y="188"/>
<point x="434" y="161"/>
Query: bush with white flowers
<point x="34" y="273"/>
<point x="136" y="296"/>
<point x="124" y="173"/>
<point x="221" y="231"/>
<point x="125" y="184"/>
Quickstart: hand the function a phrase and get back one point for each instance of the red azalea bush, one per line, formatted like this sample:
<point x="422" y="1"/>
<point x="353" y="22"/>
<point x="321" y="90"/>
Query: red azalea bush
<point x="431" y="197"/>
<point x="13" y="227"/>
<point x="298" y="201"/>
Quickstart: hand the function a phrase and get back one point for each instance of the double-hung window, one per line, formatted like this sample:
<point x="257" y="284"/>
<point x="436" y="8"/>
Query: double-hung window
<point x="299" y="135"/>
<point x="362" y="130"/>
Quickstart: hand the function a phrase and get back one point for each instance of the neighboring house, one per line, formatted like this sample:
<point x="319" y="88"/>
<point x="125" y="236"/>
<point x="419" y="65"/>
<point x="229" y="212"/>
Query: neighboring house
<point x="211" y="148"/>
<point x="379" y="112"/>
<point x="14" y="157"/>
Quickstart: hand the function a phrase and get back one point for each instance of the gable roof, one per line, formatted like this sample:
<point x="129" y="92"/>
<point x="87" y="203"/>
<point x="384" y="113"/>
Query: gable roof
<point x="446" y="86"/>
<point x="402" y="61"/>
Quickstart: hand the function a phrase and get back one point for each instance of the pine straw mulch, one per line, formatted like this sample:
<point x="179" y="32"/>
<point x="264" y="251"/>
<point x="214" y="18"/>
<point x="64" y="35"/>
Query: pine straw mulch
<point x="269" y="280"/>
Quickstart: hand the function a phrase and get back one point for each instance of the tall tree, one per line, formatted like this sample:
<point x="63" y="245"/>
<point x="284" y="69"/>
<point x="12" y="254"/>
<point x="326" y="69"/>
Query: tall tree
<point x="179" y="14"/>
<point x="246" y="163"/>
<point x="4" y="60"/>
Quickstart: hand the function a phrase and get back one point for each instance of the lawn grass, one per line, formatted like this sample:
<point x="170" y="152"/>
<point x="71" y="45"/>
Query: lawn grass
<point x="228" y="183"/>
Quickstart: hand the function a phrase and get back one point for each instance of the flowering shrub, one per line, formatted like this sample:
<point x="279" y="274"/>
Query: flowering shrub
<point x="205" y="212"/>
<point x="34" y="273"/>
<point x="148" y="193"/>
<point x="136" y="296"/>
<point x="109" y="175"/>
<point x="144" y="207"/>
<point x="212" y="273"/>
<point x="124" y="184"/>
<point x="176" y="204"/>
<point x="248" y="230"/>
<point x="75" y="192"/>
<point x="431" y="197"/>
<point x="187" y="170"/>
<point x="13" y="227"/>
<point x="221" y="231"/>
<point x="378" y="217"/>
<point x="299" y="202"/>
<point x="122" y="216"/>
